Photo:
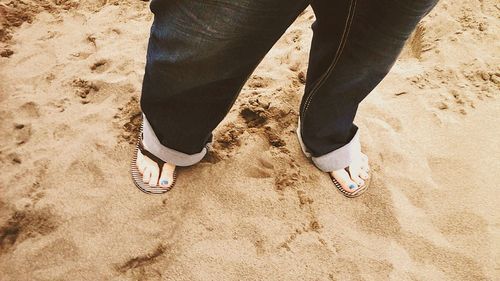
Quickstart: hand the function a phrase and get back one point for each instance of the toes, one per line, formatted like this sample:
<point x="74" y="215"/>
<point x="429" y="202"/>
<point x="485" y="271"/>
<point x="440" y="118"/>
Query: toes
<point x="364" y="175"/>
<point x="146" y="176"/>
<point x="151" y="173"/>
<point x="155" y="173"/>
<point x="365" y="166"/>
<point x="355" y="171"/>
<point x="364" y="163"/>
<point x="364" y="158"/>
<point x="140" y="162"/>
<point x="359" y="181"/>
<point x="167" y="175"/>
<point x="345" y="180"/>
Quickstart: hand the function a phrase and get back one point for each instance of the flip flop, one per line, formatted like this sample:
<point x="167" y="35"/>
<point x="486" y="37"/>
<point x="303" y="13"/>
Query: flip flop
<point x="137" y="176"/>
<point x="354" y="194"/>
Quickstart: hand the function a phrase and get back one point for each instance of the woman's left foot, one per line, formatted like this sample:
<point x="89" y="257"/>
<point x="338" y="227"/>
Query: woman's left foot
<point x="359" y="171"/>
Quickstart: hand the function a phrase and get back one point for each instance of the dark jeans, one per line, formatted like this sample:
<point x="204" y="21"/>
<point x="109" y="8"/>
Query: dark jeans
<point x="201" y="52"/>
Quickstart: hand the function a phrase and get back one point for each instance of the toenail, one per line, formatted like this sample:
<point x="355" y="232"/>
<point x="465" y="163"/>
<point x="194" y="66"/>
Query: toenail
<point x="352" y="186"/>
<point x="164" y="182"/>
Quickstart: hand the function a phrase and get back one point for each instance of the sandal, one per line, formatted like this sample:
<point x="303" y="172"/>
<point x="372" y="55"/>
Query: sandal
<point x="137" y="176"/>
<point x="354" y="194"/>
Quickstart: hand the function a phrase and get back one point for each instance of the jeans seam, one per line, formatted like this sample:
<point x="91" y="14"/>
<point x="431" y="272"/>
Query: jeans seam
<point x="343" y="40"/>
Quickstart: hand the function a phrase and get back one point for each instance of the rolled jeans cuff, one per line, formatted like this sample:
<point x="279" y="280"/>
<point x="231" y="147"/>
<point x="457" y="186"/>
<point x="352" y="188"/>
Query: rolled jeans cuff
<point x="335" y="160"/>
<point x="169" y="155"/>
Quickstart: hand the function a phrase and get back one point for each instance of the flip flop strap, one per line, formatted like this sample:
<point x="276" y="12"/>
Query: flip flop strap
<point x="151" y="156"/>
<point x="348" y="171"/>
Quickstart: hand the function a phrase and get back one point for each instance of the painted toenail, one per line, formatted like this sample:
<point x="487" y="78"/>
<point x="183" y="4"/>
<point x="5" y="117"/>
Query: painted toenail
<point x="352" y="186"/>
<point x="164" y="182"/>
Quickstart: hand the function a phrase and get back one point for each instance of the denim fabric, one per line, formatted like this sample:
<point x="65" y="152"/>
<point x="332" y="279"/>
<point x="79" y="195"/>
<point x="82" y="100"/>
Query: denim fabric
<point x="201" y="52"/>
<point x="355" y="43"/>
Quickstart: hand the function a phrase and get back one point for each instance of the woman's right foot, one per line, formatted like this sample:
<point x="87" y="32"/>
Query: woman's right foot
<point x="151" y="173"/>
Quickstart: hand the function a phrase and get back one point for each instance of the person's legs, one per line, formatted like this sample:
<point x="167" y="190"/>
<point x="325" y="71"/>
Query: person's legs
<point x="355" y="44"/>
<point x="200" y="54"/>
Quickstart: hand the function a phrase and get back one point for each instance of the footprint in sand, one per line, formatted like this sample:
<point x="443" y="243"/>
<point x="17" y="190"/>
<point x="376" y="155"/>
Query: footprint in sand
<point x="228" y="138"/>
<point x="29" y="110"/>
<point x="139" y="266"/>
<point x="22" y="132"/>
<point x="273" y="138"/>
<point x="55" y="253"/>
<point x="26" y="224"/>
<point x="254" y="115"/>
<point x="86" y="172"/>
<point x="262" y="169"/>
<point x="84" y="88"/>
<point x="100" y="66"/>
<point x="63" y="132"/>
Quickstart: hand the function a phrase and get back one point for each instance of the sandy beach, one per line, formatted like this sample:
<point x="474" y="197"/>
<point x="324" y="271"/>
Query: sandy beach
<point x="255" y="208"/>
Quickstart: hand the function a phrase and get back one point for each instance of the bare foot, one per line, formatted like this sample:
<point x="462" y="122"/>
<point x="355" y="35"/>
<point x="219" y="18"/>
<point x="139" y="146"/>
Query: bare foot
<point x="359" y="172"/>
<point x="151" y="172"/>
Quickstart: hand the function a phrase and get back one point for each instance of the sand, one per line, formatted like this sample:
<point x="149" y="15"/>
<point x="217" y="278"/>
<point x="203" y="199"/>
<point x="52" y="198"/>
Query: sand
<point x="255" y="208"/>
